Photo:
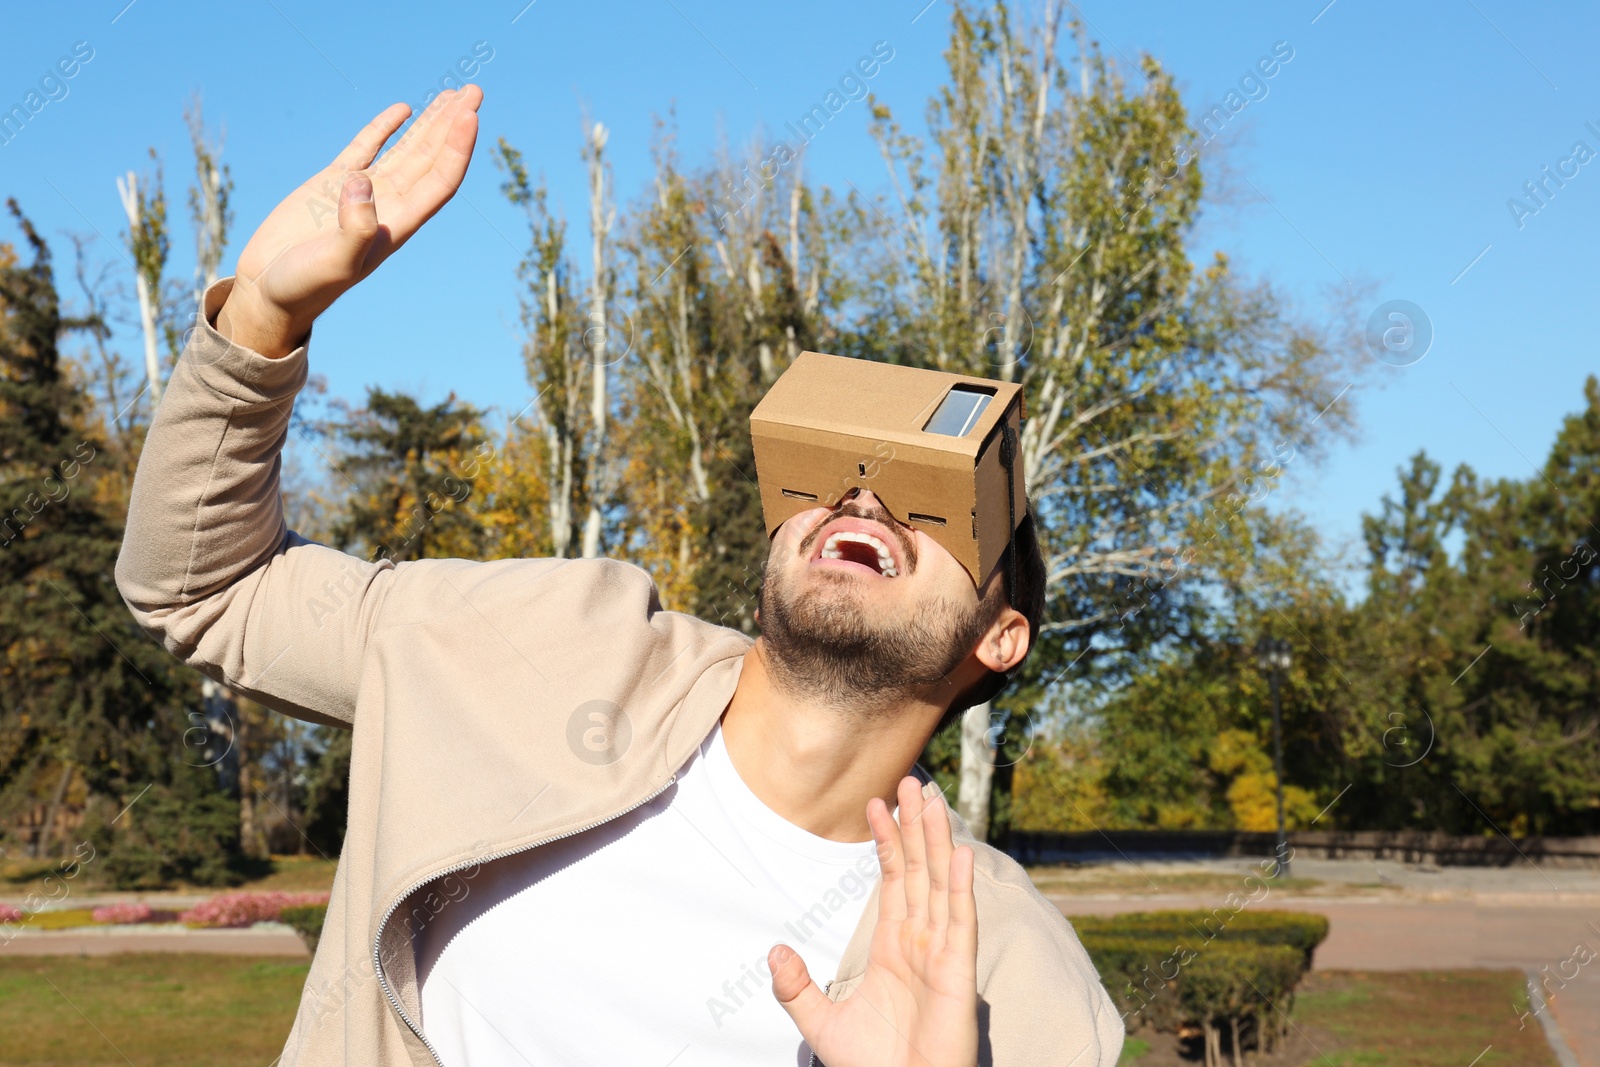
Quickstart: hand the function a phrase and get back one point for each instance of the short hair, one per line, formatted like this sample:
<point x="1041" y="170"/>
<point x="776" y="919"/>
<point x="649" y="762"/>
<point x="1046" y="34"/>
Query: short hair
<point x="1028" y="598"/>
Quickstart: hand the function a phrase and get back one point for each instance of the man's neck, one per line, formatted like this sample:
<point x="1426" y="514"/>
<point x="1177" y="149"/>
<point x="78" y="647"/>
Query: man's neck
<point x="818" y="765"/>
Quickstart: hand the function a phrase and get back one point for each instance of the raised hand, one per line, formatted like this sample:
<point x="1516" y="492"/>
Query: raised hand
<point x="917" y="1005"/>
<point x="335" y="229"/>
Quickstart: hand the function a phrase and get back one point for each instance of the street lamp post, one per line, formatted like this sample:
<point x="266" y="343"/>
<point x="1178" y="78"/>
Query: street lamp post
<point x="1272" y="656"/>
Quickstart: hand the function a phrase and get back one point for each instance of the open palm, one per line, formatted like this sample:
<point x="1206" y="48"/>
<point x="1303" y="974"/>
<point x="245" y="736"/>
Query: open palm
<point x="917" y="1005"/>
<point x="336" y="228"/>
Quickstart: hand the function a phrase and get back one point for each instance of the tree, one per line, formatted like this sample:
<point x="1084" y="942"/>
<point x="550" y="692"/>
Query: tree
<point x="557" y="360"/>
<point x="1458" y="695"/>
<point x="1050" y="248"/>
<point x="719" y="304"/>
<point x="209" y="210"/>
<point x="87" y="694"/>
<point x="598" y="345"/>
<point x="149" y="243"/>
<point x="410" y="471"/>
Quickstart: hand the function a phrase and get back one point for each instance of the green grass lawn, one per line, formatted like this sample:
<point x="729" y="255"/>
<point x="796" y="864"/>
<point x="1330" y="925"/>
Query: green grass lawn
<point x="1424" y="1018"/>
<point x="146" y="1009"/>
<point x="296" y="874"/>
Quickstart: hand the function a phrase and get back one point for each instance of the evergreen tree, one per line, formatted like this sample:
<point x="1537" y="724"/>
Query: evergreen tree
<point x="82" y="687"/>
<point x="410" y="469"/>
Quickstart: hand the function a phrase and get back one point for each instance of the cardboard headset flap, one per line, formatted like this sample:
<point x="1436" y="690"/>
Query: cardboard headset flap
<point x="925" y="442"/>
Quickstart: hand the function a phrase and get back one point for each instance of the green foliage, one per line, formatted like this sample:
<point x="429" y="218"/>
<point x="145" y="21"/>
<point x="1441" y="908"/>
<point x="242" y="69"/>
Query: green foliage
<point x="186" y="831"/>
<point x="411" y="468"/>
<point x="82" y="686"/>
<point x="149" y="241"/>
<point x="306" y="919"/>
<point x="1460" y="694"/>
<point x="1042" y="236"/>
<point x="719" y="305"/>
<point x="555" y="358"/>
<point x="1302" y="931"/>
<point x="1227" y="966"/>
<point x="327" y="791"/>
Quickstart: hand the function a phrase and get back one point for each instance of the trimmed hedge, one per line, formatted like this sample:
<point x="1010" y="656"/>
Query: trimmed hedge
<point x="1219" y="969"/>
<point x="1299" y="930"/>
<point x="307" y="921"/>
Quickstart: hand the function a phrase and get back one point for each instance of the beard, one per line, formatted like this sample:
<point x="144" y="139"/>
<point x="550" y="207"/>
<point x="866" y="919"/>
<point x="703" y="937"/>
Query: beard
<point x="824" y="642"/>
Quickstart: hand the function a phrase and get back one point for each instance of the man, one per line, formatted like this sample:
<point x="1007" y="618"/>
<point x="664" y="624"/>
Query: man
<point x="578" y="823"/>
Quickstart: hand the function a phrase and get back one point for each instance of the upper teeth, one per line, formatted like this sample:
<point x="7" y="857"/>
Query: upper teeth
<point x="830" y="549"/>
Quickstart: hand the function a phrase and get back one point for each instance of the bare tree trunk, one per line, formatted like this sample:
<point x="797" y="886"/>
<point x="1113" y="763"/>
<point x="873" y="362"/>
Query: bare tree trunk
<point x="559" y="433"/>
<point x="252" y="839"/>
<point x="601" y="216"/>
<point x="128" y="189"/>
<point x="48" y="830"/>
<point x="977" y="771"/>
<point x="208" y="202"/>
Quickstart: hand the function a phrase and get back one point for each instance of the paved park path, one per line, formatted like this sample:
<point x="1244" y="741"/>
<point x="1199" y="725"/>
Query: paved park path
<point x="269" y="939"/>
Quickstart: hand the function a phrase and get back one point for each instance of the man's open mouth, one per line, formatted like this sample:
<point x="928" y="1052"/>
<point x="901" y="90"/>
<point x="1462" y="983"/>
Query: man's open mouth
<point x="861" y="548"/>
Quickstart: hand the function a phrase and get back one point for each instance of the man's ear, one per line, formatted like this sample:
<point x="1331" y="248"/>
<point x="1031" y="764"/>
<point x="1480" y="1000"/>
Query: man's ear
<point x="1005" y="643"/>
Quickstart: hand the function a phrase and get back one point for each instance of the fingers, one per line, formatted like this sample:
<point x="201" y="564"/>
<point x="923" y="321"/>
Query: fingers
<point x="449" y="162"/>
<point x="359" y="153"/>
<point x="914" y="836"/>
<point x="961" y="936"/>
<point x="796" y="992"/>
<point x="415" y="154"/>
<point x="891" y="862"/>
<point x="936" y="835"/>
<point x="417" y="133"/>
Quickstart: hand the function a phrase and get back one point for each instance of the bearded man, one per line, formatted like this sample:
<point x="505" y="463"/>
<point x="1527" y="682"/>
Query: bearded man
<point x="584" y="830"/>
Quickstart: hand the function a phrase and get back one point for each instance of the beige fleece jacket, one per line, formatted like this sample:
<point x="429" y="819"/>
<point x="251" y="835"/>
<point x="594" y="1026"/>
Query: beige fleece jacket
<point x="472" y="690"/>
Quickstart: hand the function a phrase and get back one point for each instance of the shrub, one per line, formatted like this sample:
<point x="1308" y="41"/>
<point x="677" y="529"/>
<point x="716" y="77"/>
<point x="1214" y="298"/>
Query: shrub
<point x="307" y="921"/>
<point x="1137" y="972"/>
<point x="243" y="909"/>
<point x="1301" y="931"/>
<point x="1229" y="970"/>
<point x="183" y="831"/>
<point x="122" y="913"/>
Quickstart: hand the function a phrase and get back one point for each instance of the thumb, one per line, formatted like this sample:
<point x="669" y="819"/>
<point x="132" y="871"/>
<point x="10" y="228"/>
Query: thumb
<point x="796" y="992"/>
<point x="358" y="221"/>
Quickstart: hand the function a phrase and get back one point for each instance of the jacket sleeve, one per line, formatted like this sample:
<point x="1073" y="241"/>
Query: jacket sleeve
<point x="208" y="566"/>
<point x="1042" y="1002"/>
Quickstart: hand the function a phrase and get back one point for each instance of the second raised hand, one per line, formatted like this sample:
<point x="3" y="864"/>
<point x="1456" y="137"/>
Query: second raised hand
<point x="342" y="222"/>
<point x="917" y="1004"/>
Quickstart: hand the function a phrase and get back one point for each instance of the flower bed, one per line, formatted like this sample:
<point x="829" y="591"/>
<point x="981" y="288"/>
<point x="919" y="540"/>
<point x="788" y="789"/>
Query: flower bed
<point x="245" y="909"/>
<point x="9" y="914"/>
<point x="122" y="914"/>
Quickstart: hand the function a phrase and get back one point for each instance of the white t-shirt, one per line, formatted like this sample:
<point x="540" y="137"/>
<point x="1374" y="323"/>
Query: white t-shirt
<point x="643" y="941"/>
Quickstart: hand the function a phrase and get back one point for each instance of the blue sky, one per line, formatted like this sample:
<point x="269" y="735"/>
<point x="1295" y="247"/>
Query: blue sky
<point x="1385" y="152"/>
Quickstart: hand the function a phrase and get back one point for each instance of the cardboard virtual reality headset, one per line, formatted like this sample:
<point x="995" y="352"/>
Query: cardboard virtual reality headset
<point x="939" y="450"/>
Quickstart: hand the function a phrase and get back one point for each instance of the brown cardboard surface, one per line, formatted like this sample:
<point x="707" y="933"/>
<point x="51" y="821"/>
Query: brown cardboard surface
<point x="830" y="424"/>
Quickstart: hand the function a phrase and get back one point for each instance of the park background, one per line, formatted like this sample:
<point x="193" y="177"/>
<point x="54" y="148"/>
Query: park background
<point x="1297" y="294"/>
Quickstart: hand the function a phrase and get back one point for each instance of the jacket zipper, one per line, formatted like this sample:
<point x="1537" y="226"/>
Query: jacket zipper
<point x="377" y="943"/>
